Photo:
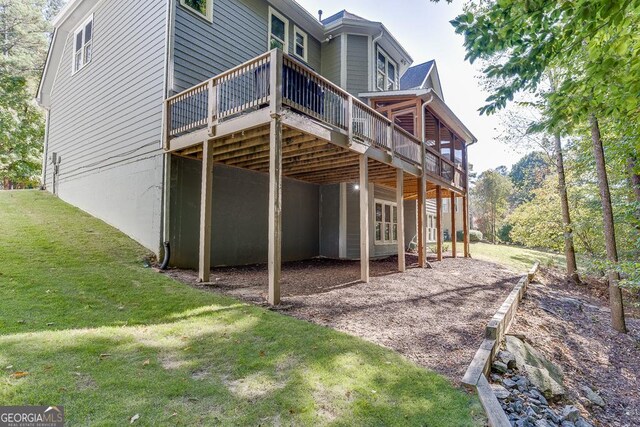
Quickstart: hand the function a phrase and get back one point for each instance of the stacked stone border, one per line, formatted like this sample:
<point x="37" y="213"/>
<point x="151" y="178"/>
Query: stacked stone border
<point x="475" y="378"/>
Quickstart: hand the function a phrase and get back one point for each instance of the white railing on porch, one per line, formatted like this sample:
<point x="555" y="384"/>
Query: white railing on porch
<point x="248" y="87"/>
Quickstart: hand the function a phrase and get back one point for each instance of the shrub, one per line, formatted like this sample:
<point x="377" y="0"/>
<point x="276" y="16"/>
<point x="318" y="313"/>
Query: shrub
<point x="475" y="236"/>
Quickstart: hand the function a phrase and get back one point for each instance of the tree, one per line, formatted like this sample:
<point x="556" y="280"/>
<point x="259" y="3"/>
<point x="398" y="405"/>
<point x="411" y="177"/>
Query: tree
<point x="490" y="196"/>
<point x="21" y="134"/>
<point x="593" y="45"/>
<point x="528" y="174"/>
<point x="24" y="35"/>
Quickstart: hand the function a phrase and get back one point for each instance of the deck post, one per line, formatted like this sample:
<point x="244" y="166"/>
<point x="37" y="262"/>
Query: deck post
<point x="204" y="263"/>
<point x="422" y="261"/>
<point x="364" y="218"/>
<point x="453" y="225"/>
<point x="439" y="223"/>
<point x="400" y="213"/>
<point x="274" y="262"/>
<point x="465" y="224"/>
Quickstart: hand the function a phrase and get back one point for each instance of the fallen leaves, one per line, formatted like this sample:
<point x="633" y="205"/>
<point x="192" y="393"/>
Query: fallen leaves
<point x="19" y="374"/>
<point x="146" y="362"/>
<point x="134" y="418"/>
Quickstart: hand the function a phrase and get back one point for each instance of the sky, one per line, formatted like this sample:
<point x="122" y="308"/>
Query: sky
<point x="423" y="29"/>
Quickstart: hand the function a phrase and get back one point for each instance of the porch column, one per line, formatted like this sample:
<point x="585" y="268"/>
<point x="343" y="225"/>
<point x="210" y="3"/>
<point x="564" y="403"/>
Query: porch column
<point x="204" y="263"/>
<point x="439" y="223"/>
<point x="465" y="225"/>
<point x="364" y="218"/>
<point x="275" y="209"/>
<point x="453" y="224"/>
<point x="422" y="261"/>
<point x="400" y="213"/>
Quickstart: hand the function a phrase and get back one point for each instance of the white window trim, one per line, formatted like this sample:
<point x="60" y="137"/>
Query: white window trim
<point x="78" y="30"/>
<point x="285" y="44"/>
<point x="383" y="222"/>
<point x="388" y="60"/>
<point x="208" y="16"/>
<point x="296" y="31"/>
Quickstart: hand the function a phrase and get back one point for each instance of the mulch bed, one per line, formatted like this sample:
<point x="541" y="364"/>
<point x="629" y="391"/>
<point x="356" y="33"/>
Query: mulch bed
<point x="435" y="317"/>
<point x="570" y="325"/>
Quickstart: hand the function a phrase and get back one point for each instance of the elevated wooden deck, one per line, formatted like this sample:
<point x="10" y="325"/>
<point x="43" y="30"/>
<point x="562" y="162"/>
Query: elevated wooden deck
<point x="324" y="128"/>
<point x="277" y="116"/>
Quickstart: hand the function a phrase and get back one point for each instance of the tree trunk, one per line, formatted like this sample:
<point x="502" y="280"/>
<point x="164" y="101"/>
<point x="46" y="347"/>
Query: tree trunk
<point x="615" y="295"/>
<point x="569" y="251"/>
<point x="634" y="181"/>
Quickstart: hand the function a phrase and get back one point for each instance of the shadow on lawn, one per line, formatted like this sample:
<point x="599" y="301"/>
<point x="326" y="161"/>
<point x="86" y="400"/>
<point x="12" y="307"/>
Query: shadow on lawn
<point x="239" y="365"/>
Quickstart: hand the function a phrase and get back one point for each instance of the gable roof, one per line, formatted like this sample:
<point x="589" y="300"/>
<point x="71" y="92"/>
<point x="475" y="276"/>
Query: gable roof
<point x="417" y="77"/>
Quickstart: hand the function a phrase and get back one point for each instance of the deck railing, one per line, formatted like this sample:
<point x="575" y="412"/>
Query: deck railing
<point x="249" y="87"/>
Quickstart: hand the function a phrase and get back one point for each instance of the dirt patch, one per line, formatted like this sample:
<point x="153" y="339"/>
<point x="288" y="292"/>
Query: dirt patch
<point x="571" y="326"/>
<point x="435" y="317"/>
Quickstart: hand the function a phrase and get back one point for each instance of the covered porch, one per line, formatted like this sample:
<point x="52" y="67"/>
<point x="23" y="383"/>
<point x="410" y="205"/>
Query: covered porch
<point x="274" y="116"/>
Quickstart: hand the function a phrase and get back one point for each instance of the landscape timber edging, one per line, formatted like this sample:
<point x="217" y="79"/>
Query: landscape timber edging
<point x="476" y="376"/>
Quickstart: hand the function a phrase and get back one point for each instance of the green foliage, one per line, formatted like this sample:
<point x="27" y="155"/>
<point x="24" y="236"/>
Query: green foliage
<point x="528" y="174"/>
<point x="21" y="134"/>
<point x="475" y="236"/>
<point x="504" y="233"/>
<point x="24" y="36"/>
<point x="489" y="201"/>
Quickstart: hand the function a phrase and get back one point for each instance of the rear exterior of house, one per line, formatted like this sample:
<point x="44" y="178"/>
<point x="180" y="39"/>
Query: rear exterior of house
<point x="247" y="131"/>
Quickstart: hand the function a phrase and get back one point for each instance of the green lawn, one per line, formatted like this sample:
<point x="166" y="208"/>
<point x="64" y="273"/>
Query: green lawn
<point x="515" y="257"/>
<point x="83" y="324"/>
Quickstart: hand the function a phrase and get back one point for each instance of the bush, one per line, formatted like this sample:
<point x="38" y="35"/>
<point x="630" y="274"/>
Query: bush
<point x="460" y="236"/>
<point x="504" y="233"/>
<point x="475" y="236"/>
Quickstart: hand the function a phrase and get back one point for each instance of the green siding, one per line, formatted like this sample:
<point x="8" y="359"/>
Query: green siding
<point x="357" y="64"/>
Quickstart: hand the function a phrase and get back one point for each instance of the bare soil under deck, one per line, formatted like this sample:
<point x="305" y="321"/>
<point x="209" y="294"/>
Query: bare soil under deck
<point x="435" y="317"/>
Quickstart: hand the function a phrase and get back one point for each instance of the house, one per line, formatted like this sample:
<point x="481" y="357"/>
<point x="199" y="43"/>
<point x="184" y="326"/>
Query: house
<point x="248" y="131"/>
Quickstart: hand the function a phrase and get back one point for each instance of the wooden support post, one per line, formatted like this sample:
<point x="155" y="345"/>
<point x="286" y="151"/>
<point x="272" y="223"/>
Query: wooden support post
<point x="364" y="218"/>
<point x="465" y="219"/>
<point x="453" y="225"/>
<point x="400" y="213"/>
<point x="439" y="223"/>
<point x="422" y="262"/>
<point x="274" y="259"/>
<point x="204" y="263"/>
<point x="275" y="210"/>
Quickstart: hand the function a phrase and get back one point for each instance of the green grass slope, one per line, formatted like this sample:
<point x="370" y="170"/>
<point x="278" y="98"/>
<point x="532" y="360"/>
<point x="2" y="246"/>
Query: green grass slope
<point x="83" y="324"/>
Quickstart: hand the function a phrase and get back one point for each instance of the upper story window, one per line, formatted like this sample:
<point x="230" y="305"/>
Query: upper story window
<point x="278" y="31"/>
<point x="300" y="43"/>
<point x="386" y="72"/>
<point x="83" y="44"/>
<point x="202" y="8"/>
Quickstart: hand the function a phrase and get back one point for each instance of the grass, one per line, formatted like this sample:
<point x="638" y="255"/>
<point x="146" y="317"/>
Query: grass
<point x="516" y="258"/>
<point x="83" y="324"/>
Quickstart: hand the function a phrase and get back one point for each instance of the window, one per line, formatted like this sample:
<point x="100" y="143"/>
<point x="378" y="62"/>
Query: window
<point x="82" y="45"/>
<point x="386" y="72"/>
<point x="278" y="31"/>
<point x="201" y="8"/>
<point x="445" y="205"/>
<point x="386" y="222"/>
<point x="300" y="43"/>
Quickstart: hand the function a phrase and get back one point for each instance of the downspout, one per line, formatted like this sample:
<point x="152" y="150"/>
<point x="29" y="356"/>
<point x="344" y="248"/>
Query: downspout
<point x="166" y="157"/>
